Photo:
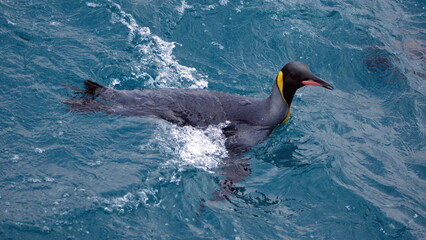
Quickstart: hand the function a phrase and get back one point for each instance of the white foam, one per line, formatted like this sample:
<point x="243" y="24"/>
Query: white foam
<point x="49" y="179"/>
<point x="32" y="180"/>
<point x="55" y="23"/>
<point x="209" y="7"/>
<point x="93" y="5"/>
<point x="220" y="46"/>
<point x="114" y="82"/>
<point x="204" y="149"/>
<point x="15" y="158"/>
<point x="223" y="2"/>
<point x="10" y="22"/>
<point x="120" y="202"/>
<point x="157" y="53"/>
<point x="182" y="7"/>
<point x="129" y="201"/>
<point x="238" y="9"/>
<point x="38" y="150"/>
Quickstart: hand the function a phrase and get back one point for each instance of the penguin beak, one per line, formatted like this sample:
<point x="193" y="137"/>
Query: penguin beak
<point x="315" y="81"/>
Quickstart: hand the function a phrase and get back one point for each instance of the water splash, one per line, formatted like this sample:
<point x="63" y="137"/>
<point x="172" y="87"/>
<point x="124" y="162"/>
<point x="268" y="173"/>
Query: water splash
<point x="157" y="54"/>
<point x="199" y="148"/>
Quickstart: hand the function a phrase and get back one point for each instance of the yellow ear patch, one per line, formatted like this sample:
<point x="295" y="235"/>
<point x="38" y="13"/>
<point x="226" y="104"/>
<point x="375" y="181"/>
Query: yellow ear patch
<point x="280" y="84"/>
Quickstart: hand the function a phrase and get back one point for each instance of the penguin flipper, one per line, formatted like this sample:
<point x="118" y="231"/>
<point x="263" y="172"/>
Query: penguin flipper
<point x="240" y="137"/>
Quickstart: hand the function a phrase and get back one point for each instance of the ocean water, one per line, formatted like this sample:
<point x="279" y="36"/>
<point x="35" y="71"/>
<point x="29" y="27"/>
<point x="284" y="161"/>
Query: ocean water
<point x="350" y="163"/>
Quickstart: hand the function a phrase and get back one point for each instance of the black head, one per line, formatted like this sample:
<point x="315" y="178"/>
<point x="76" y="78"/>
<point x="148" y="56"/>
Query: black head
<point x="295" y="75"/>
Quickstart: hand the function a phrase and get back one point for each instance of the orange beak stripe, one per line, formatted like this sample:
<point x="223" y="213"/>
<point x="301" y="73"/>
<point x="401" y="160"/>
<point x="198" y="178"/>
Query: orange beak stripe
<point x="310" y="82"/>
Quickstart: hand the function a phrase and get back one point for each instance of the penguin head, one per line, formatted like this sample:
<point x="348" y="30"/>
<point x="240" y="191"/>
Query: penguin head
<point x="295" y="75"/>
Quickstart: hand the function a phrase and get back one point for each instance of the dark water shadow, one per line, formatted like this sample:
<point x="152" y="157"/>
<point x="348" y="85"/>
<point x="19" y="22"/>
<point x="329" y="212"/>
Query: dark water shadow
<point x="385" y="71"/>
<point x="284" y="157"/>
<point x="237" y="168"/>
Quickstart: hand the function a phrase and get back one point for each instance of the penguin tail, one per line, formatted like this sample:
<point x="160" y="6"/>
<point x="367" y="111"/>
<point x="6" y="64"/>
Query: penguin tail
<point x="85" y="101"/>
<point x="85" y="105"/>
<point x="92" y="88"/>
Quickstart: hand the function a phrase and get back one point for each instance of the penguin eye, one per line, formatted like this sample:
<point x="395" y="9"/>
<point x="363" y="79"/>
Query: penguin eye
<point x="295" y="75"/>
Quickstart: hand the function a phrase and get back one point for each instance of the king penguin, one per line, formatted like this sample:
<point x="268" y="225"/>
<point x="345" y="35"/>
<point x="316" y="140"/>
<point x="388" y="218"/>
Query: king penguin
<point x="249" y="121"/>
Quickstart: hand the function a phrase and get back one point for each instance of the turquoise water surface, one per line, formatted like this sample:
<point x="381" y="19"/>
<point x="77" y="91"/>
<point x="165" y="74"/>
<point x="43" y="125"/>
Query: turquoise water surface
<point x="350" y="163"/>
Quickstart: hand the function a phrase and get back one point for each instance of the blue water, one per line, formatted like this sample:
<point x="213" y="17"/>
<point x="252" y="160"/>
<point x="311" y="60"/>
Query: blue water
<point x="350" y="163"/>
